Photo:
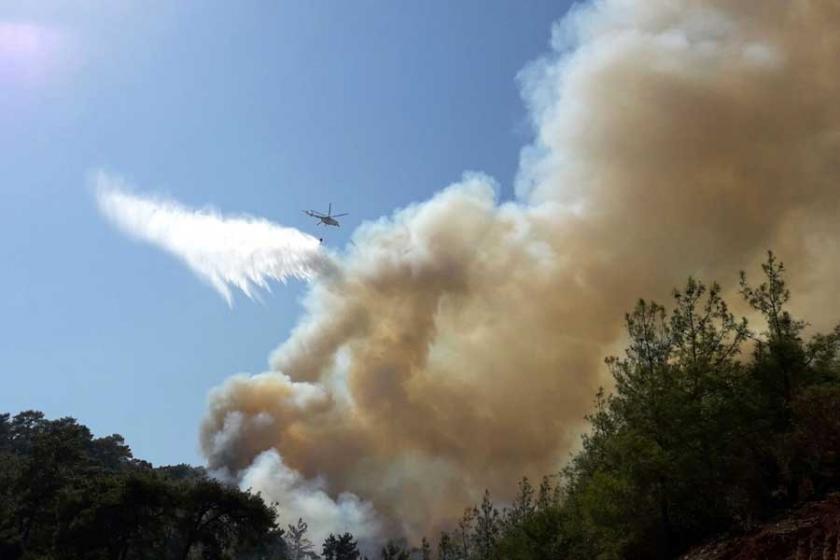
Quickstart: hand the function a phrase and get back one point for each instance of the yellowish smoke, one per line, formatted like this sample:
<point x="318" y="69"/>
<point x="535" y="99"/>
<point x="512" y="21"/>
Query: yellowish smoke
<point x="458" y="345"/>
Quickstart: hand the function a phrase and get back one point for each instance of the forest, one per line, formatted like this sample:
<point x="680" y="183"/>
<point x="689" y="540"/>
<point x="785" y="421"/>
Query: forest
<point x="711" y="425"/>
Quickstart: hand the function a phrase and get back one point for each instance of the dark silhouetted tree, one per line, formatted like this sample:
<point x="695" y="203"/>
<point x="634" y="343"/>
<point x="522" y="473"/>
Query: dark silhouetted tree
<point x="343" y="547"/>
<point x="425" y="549"/>
<point x="487" y="527"/>
<point x="446" y="548"/>
<point x="394" y="551"/>
<point x="67" y="494"/>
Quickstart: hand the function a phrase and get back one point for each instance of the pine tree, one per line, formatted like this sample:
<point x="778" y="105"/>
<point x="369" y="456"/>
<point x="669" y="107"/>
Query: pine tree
<point x="343" y="547"/>
<point x="300" y="547"/>
<point x="464" y="533"/>
<point x="425" y="550"/>
<point x="394" y="551"/>
<point x="522" y="506"/>
<point x="446" y="548"/>
<point x="486" y="528"/>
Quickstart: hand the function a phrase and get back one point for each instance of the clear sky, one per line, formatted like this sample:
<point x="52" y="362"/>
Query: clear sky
<point x="263" y="108"/>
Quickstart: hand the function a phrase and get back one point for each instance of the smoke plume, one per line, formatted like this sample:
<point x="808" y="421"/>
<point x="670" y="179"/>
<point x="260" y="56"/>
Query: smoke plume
<point x="460" y="342"/>
<point x="324" y="515"/>
<point x="241" y="252"/>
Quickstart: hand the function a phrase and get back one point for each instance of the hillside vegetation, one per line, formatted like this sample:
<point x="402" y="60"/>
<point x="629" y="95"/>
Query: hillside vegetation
<point x="712" y="426"/>
<point x="66" y="494"/>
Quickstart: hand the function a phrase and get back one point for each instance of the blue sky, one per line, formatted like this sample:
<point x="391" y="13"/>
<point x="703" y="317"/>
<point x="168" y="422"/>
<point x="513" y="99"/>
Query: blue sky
<point x="263" y="108"/>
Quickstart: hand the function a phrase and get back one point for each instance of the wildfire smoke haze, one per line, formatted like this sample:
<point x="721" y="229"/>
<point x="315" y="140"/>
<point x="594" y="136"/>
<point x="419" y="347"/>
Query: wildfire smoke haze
<point x="458" y="344"/>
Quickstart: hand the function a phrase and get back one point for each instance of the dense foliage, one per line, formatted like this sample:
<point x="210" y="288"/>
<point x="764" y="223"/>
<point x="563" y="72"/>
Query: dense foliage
<point x="66" y="494"/>
<point x="711" y="426"/>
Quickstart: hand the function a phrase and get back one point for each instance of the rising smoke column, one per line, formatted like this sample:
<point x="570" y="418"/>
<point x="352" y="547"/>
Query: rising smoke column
<point x="242" y="252"/>
<point x="461" y="342"/>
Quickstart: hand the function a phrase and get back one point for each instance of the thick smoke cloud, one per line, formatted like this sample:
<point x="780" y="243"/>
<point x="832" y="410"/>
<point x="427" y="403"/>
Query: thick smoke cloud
<point x="279" y="484"/>
<point x="241" y="252"/>
<point x="460" y="342"/>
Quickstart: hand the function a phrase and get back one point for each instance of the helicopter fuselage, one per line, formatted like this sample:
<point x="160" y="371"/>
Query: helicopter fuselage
<point x="327" y="219"/>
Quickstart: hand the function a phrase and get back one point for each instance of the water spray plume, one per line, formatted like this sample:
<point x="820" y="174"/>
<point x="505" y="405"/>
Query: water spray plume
<point x="240" y="252"/>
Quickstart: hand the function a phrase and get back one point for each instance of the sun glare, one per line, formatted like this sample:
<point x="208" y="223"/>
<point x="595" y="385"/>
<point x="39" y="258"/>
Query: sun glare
<point x="28" y="52"/>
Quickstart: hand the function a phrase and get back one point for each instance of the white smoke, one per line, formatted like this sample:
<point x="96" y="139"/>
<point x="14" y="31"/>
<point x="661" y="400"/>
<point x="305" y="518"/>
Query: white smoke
<point x="295" y="497"/>
<point x="241" y="252"/>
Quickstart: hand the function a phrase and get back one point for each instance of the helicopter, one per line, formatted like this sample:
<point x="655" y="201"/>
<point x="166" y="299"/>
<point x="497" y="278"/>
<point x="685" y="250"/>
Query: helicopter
<point x="328" y="219"/>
